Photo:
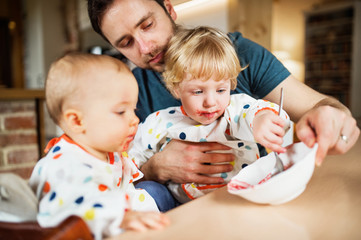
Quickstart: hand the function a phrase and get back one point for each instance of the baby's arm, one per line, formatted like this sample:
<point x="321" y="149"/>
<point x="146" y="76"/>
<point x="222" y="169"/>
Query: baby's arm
<point x="257" y="121"/>
<point x="142" y="221"/>
<point x="269" y="130"/>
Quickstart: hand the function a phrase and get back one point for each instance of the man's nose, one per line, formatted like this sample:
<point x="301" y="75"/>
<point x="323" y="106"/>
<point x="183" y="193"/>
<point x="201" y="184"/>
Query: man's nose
<point x="145" y="45"/>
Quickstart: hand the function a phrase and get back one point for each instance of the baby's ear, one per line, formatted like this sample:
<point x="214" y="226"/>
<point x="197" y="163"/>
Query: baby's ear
<point x="175" y="93"/>
<point x="74" y="120"/>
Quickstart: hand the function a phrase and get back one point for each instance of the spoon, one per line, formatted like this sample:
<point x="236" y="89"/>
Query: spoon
<point x="279" y="165"/>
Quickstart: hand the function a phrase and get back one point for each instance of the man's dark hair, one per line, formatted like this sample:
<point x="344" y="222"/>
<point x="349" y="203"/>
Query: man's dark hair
<point x="97" y="9"/>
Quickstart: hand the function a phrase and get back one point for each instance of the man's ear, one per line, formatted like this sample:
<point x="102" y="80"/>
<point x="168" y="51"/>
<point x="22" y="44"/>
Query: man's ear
<point x="74" y="120"/>
<point x="168" y="5"/>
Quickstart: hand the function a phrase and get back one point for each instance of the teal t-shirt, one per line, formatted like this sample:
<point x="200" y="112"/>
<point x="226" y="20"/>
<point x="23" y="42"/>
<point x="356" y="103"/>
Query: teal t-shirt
<point x="263" y="74"/>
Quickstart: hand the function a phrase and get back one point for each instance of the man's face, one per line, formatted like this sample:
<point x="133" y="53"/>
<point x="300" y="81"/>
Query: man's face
<point x="140" y="30"/>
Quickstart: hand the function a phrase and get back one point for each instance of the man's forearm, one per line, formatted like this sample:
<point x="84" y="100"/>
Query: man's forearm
<point x="330" y="101"/>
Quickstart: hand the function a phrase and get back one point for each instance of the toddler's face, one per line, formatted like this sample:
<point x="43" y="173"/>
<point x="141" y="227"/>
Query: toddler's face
<point x="109" y="117"/>
<point x="204" y="100"/>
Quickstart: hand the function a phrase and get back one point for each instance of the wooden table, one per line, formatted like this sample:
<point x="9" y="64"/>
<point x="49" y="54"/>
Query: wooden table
<point x="329" y="208"/>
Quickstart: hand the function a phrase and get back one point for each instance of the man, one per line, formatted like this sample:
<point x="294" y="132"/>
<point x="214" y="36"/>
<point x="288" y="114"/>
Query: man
<point x="141" y="29"/>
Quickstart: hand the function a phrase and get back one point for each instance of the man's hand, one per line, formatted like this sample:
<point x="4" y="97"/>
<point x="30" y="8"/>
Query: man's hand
<point x="319" y="118"/>
<point x="186" y="162"/>
<point x="325" y="125"/>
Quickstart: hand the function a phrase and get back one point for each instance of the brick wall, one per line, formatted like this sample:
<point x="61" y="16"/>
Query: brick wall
<point x="18" y="137"/>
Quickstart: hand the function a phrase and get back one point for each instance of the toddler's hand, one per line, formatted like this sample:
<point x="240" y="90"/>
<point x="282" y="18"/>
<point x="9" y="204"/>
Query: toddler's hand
<point x="268" y="130"/>
<point x="143" y="221"/>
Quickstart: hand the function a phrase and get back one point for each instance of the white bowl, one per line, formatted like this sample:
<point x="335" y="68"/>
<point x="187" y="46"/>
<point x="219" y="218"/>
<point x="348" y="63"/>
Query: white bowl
<point x="255" y="183"/>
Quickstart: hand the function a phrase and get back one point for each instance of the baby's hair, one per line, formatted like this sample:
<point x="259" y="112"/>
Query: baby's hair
<point x="202" y="52"/>
<point x="67" y="77"/>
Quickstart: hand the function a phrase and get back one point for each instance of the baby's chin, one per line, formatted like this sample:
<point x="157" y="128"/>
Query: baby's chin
<point x="206" y="121"/>
<point x="119" y="150"/>
<point x="126" y="146"/>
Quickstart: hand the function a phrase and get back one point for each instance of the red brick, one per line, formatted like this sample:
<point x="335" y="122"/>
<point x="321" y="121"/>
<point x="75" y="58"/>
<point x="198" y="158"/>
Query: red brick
<point x="24" y="172"/>
<point x="9" y="139"/>
<point x="16" y="106"/>
<point x="23" y="156"/>
<point x="20" y="122"/>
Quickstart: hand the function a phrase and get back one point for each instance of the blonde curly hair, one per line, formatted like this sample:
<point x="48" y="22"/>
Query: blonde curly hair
<point x="202" y="52"/>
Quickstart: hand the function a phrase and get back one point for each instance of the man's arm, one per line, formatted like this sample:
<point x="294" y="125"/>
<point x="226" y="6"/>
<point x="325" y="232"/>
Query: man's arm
<point x="319" y="118"/>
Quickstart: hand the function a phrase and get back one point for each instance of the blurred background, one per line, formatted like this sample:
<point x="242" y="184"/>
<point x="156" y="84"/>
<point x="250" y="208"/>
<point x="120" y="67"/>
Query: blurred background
<point x="317" y="40"/>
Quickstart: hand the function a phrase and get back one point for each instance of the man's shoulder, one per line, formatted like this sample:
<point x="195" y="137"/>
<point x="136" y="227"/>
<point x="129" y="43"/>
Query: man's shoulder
<point x="138" y="70"/>
<point x="235" y="35"/>
<point x="237" y="38"/>
<point x="141" y="72"/>
<point x="243" y="44"/>
<point x="146" y="76"/>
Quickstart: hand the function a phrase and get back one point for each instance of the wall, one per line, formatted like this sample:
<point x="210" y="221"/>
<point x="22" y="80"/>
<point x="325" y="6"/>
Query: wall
<point x="34" y="44"/>
<point x="18" y="137"/>
<point x="88" y="38"/>
<point x="213" y="13"/>
<point x="288" y="33"/>
<point x="277" y="25"/>
<point x="44" y="39"/>
<point x="253" y="18"/>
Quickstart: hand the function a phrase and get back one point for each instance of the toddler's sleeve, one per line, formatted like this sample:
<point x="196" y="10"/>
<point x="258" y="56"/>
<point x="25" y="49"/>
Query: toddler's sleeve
<point x="241" y="112"/>
<point x="147" y="141"/>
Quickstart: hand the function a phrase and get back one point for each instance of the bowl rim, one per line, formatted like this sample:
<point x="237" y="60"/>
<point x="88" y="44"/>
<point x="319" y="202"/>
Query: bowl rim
<point x="284" y="175"/>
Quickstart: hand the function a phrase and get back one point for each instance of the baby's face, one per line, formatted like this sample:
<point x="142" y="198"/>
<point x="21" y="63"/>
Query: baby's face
<point x="204" y="100"/>
<point x="109" y="119"/>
